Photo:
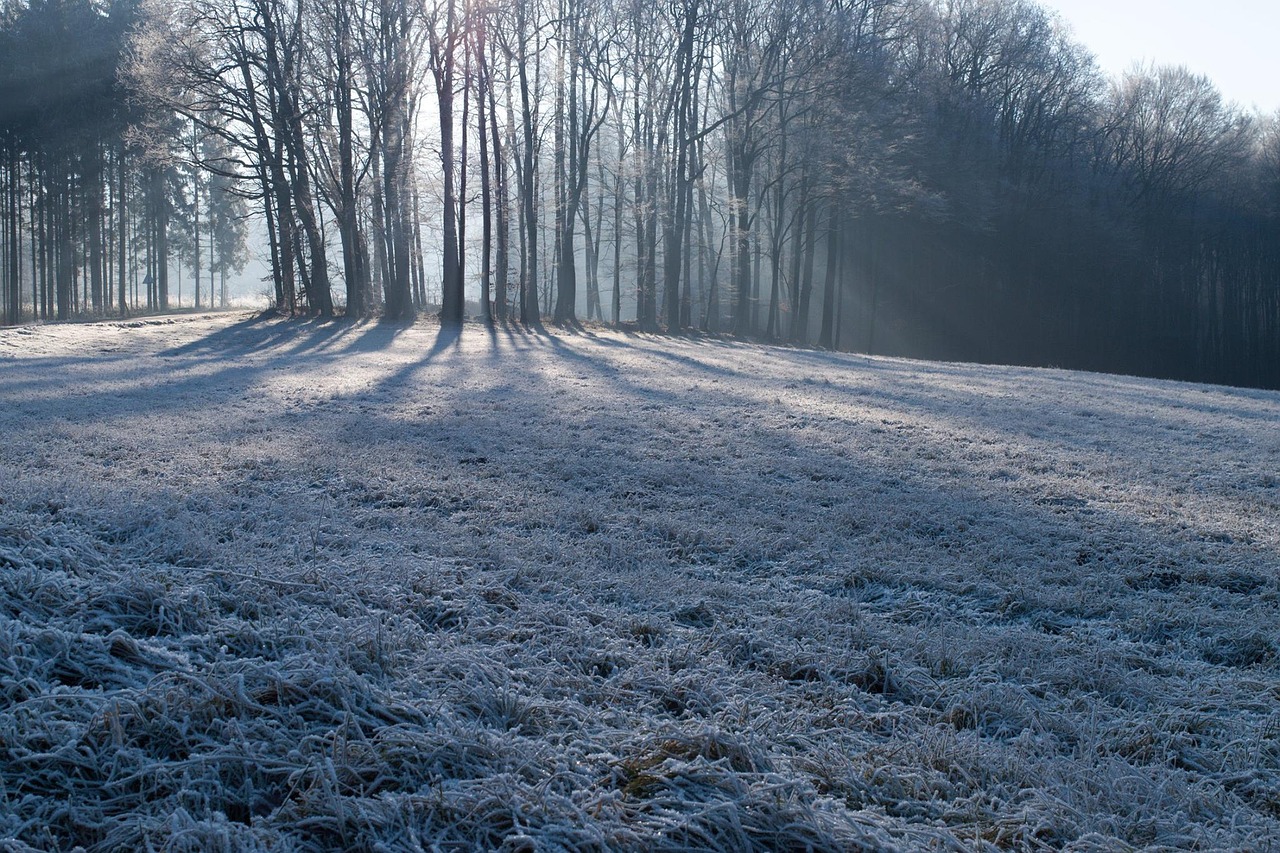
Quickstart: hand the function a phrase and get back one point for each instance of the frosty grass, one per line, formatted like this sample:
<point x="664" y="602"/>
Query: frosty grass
<point x="292" y="586"/>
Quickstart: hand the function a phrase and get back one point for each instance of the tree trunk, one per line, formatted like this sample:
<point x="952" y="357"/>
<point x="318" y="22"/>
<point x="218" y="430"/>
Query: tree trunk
<point x="619" y="189"/>
<point x="354" y="256"/>
<point x="682" y="181"/>
<point x="801" y="334"/>
<point x="122" y="236"/>
<point x="66" y="251"/>
<point x="826" y="335"/>
<point x="417" y="263"/>
<point x="162" y="241"/>
<point x="502" y="210"/>
<point x="483" y="87"/>
<point x="15" y="238"/>
<point x="529" y="314"/>
<point x="93" y="214"/>
<point x="562" y="252"/>
<point x="740" y="184"/>
<point x="451" y="296"/>
<point x="195" y="219"/>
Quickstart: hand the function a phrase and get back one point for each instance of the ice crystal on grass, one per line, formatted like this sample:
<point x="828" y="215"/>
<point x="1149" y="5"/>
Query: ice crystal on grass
<point x="532" y="592"/>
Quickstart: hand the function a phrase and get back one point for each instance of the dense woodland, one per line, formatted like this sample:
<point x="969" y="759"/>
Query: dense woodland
<point x="938" y="178"/>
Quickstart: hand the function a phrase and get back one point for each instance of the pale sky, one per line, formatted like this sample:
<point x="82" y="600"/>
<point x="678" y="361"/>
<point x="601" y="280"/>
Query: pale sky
<point x="1236" y="43"/>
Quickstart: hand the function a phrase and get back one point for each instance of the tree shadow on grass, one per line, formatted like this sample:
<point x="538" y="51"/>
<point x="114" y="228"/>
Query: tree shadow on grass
<point x="294" y="337"/>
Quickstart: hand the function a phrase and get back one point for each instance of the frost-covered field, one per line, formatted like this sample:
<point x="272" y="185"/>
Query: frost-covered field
<point x="274" y="585"/>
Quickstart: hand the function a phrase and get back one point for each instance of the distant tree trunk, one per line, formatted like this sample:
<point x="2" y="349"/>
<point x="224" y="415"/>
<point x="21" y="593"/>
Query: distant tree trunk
<point x="417" y="263"/>
<point x="92" y="190"/>
<point x="48" y="232"/>
<point x="686" y="254"/>
<point x="740" y="185"/>
<point x="462" y="185"/>
<point x="355" y="261"/>
<point x="396" y="195"/>
<point x="161" y="201"/>
<point x="319" y="295"/>
<point x="43" y="244"/>
<point x="389" y="68"/>
<point x="873" y="301"/>
<point x="486" y="204"/>
<point x="502" y="208"/>
<point x="269" y="214"/>
<point x="683" y="110"/>
<point x="827" y="333"/>
<point x="380" y="272"/>
<point x="15" y="237"/>
<point x="287" y="301"/>
<point x="591" y="234"/>
<point x="797" y="225"/>
<point x="529" y="314"/>
<point x="619" y="189"/>
<point x="843" y="265"/>
<point x="801" y="334"/>
<point x="522" y="229"/>
<point x="649" y="275"/>
<point x="66" y="249"/>
<point x="712" y="313"/>
<point x="757" y="257"/>
<point x="563" y="248"/>
<point x="195" y="219"/>
<point x="443" y="67"/>
<point x="268" y="176"/>
<point x="772" y="321"/>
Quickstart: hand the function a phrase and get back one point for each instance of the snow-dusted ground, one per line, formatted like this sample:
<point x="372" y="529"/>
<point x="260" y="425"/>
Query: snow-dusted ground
<point x="286" y="585"/>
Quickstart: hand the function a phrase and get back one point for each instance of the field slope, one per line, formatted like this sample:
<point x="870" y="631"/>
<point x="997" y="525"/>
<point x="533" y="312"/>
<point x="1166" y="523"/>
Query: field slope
<point x="283" y="585"/>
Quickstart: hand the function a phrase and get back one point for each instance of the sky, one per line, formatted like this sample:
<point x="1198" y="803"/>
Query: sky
<point x="1233" y="42"/>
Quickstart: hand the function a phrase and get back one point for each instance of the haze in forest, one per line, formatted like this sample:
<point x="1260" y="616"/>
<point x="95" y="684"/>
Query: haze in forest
<point x="955" y="179"/>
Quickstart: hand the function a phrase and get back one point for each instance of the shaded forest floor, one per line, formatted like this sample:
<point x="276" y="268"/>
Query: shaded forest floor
<point x="286" y="585"/>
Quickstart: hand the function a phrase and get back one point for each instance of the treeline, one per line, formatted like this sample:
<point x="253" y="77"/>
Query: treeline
<point x="100" y="186"/>
<point x="950" y="179"/>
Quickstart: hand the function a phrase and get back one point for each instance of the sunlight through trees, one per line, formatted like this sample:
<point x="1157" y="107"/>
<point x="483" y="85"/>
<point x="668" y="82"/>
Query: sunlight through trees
<point x="951" y="179"/>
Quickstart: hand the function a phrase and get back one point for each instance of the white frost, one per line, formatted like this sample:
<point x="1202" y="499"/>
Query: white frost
<point x="273" y="584"/>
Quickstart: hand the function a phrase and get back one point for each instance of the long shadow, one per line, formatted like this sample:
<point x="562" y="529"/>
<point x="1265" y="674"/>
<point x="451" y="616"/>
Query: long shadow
<point x="519" y="337"/>
<point x="294" y="337"/>
<point x="778" y="460"/>
<point x="631" y="340"/>
<point x="448" y="337"/>
<point x="231" y="378"/>
<point x="790" y="453"/>
<point x="254" y="332"/>
<point x="278" y="339"/>
<point x="40" y="368"/>
<point x="986" y="405"/>
<point x="923" y="390"/>
<point x="376" y="336"/>
<point x="318" y="336"/>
